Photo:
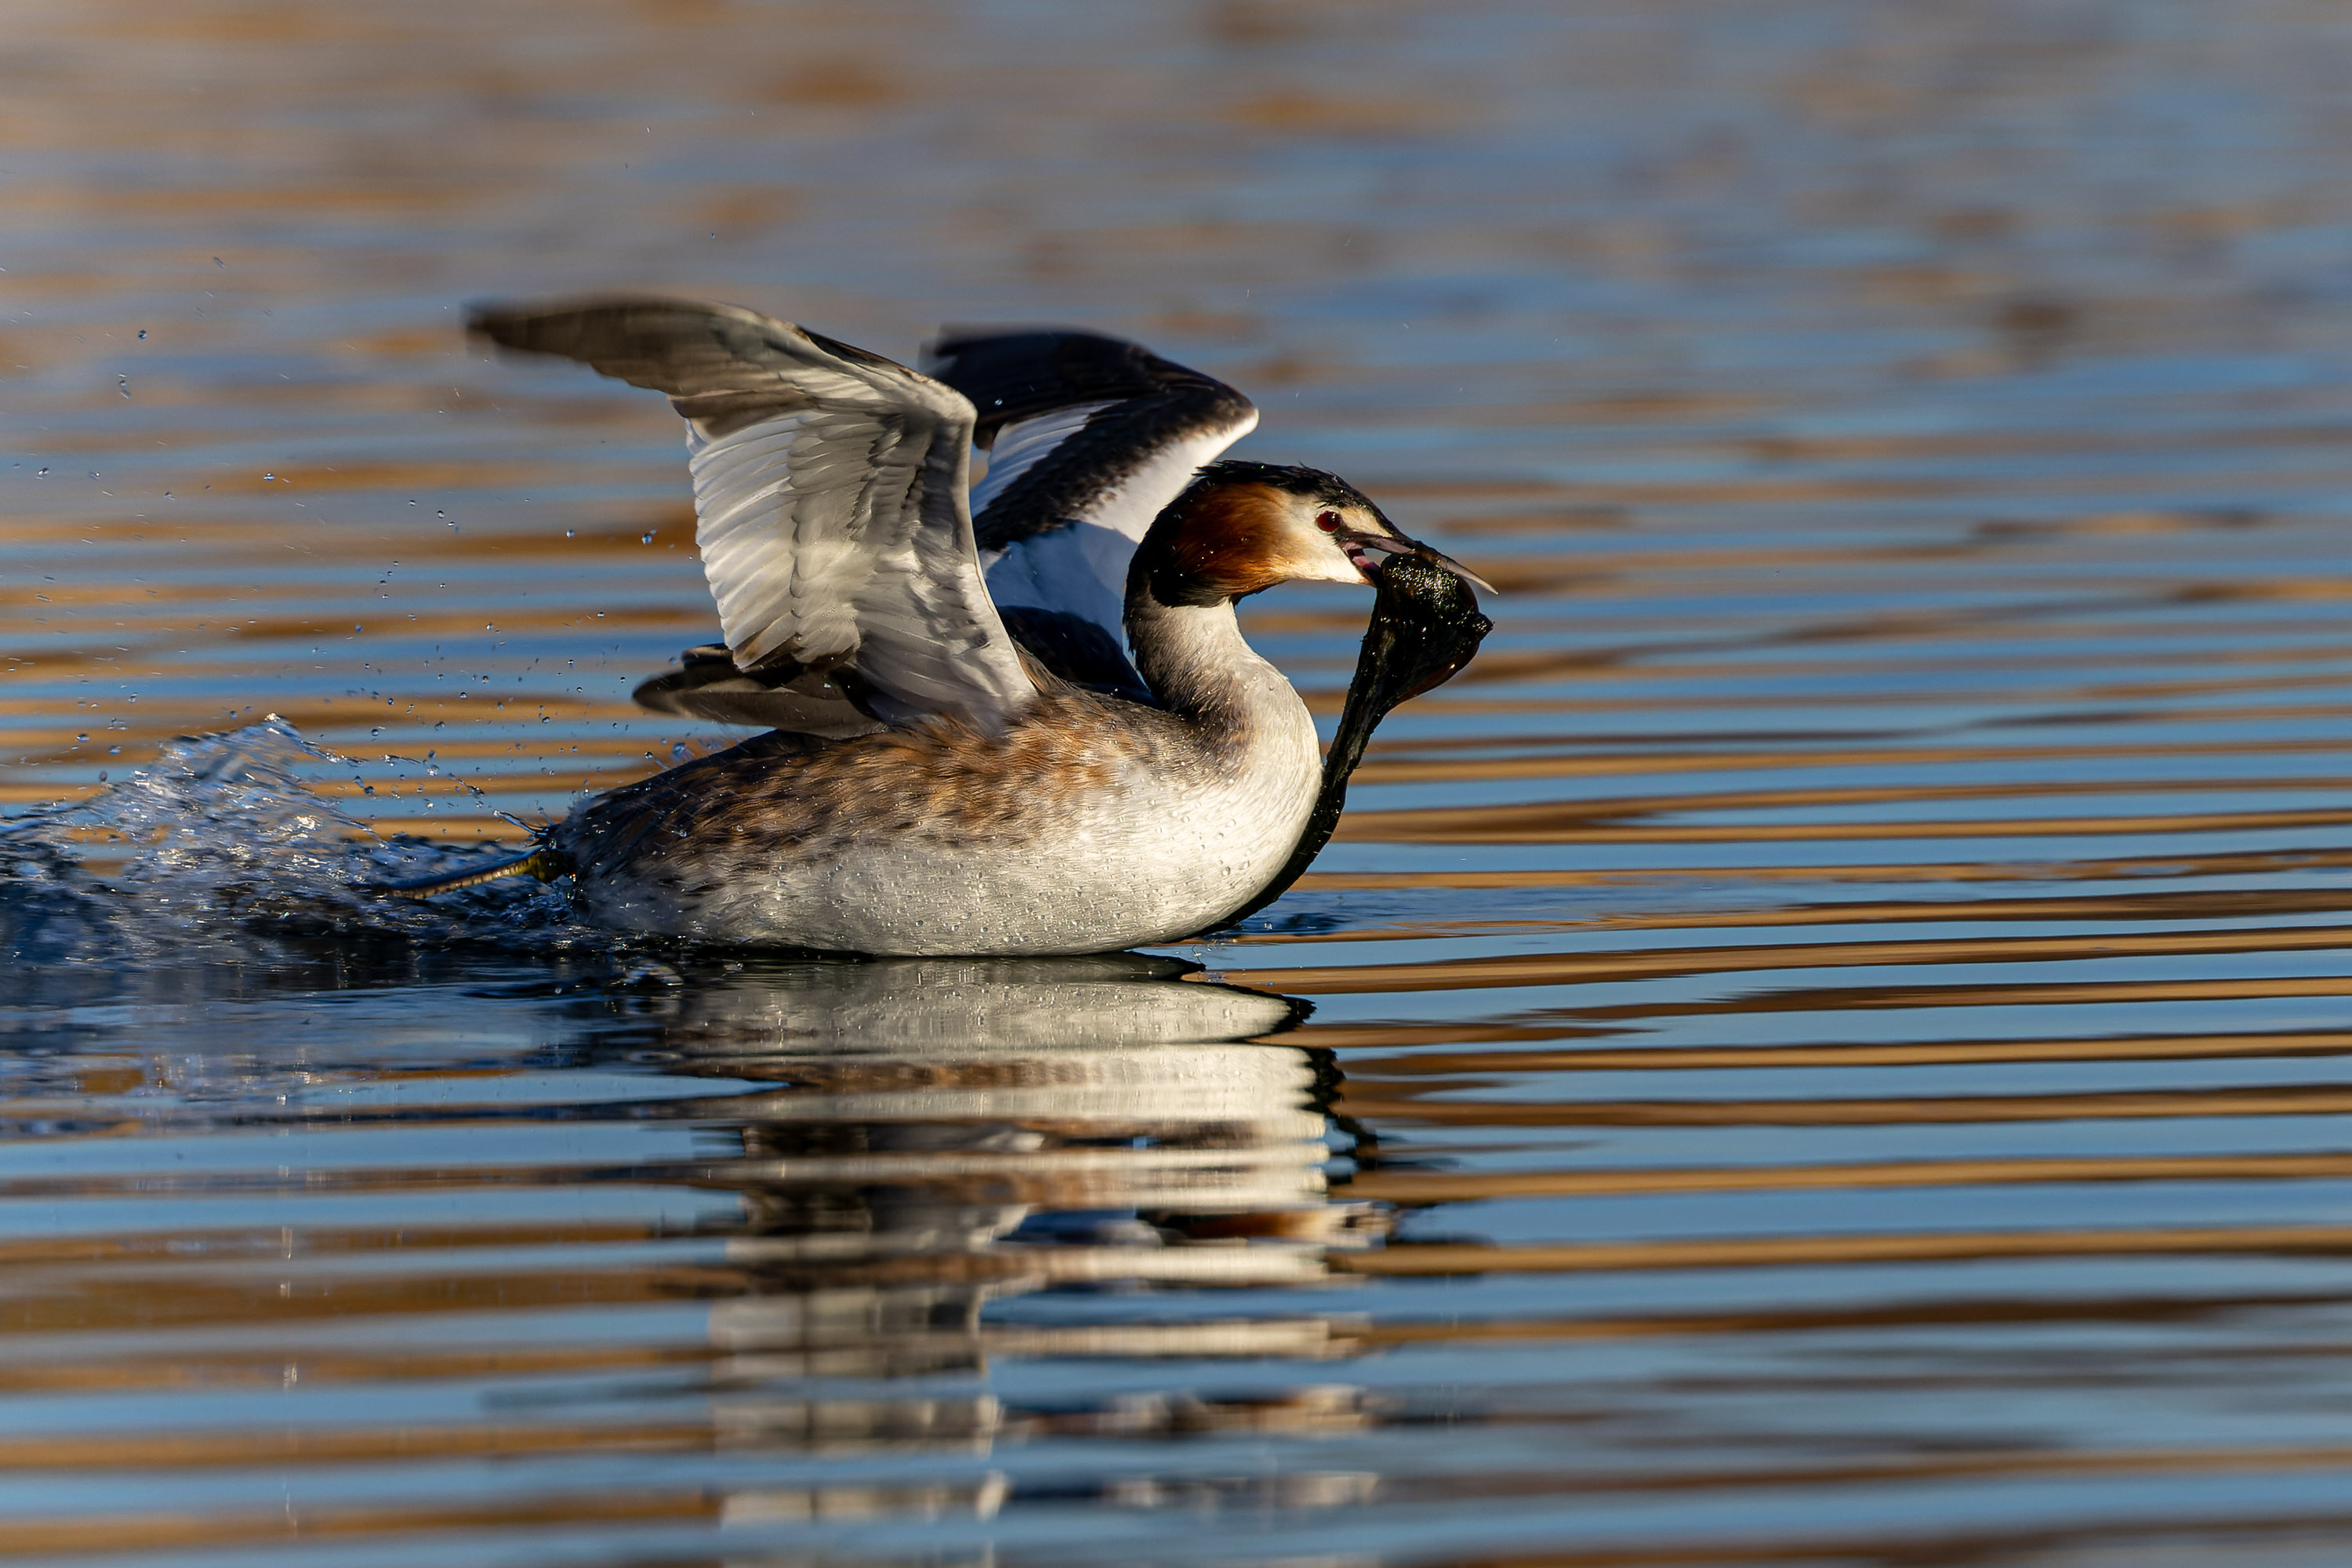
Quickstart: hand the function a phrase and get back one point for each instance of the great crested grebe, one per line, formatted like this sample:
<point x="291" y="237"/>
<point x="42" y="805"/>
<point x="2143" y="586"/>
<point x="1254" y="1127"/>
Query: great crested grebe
<point x="963" y="760"/>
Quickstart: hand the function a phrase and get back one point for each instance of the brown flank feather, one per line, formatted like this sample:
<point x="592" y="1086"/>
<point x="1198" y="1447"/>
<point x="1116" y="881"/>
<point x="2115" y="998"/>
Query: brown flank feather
<point x="779" y="795"/>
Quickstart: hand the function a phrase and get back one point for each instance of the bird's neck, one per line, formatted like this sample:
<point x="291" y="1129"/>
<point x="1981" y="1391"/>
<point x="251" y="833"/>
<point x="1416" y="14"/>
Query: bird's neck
<point x="1193" y="658"/>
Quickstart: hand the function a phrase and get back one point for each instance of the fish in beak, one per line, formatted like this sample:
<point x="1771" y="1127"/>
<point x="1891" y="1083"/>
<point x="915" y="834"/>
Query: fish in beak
<point x="1367" y="549"/>
<point x="1425" y="626"/>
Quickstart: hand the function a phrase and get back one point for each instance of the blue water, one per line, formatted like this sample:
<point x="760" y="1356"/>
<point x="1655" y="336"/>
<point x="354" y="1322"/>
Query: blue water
<point x="1825" y="1045"/>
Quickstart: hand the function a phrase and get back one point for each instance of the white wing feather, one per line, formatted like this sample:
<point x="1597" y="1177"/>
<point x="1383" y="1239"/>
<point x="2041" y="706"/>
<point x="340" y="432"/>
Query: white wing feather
<point x="1081" y="568"/>
<point x="1021" y="446"/>
<point x="829" y="490"/>
<point x="1090" y="439"/>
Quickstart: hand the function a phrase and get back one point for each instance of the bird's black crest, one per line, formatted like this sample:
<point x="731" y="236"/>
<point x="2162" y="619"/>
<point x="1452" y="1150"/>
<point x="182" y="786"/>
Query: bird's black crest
<point x="1315" y="484"/>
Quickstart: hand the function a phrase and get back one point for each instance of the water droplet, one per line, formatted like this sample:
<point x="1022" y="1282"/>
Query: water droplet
<point x="266" y="477"/>
<point x="648" y="538"/>
<point x="42" y="472"/>
<point x="678" y="751"/>
<point x="143" y="334"/>
<point x="567" y="533"/>
<point x="101" y="775"/>
<point x="122" y="385"/>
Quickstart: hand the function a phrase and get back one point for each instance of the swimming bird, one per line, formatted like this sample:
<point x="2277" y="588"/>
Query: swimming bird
<point x="965" y="760"/>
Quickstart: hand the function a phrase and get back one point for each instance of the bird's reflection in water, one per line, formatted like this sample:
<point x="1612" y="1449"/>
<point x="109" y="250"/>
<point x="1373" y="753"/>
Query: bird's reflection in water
<point x="946" y="1136"/>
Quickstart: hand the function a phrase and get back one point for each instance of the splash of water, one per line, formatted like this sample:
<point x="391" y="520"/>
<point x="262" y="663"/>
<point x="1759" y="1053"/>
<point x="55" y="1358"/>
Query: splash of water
<point x="221" y="841"/>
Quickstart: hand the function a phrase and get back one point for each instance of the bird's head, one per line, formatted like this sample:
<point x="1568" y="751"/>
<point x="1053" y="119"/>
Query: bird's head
<point x="1239" y="528"/>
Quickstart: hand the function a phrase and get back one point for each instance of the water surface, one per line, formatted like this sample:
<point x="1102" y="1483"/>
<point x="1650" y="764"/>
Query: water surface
<point x="1825" y="1045"/>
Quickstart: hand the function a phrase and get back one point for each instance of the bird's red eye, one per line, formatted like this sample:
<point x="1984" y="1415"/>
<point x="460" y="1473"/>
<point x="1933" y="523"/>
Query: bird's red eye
<point x="1329" y="521"/>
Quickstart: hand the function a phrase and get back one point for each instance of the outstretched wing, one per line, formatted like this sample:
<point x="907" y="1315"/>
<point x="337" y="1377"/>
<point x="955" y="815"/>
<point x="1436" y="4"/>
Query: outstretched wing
<point x="829" y="489"/>
<point x="1088" y="438"/>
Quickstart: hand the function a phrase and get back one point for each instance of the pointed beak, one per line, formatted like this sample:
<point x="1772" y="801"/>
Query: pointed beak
<point x="1362" y="548"/>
